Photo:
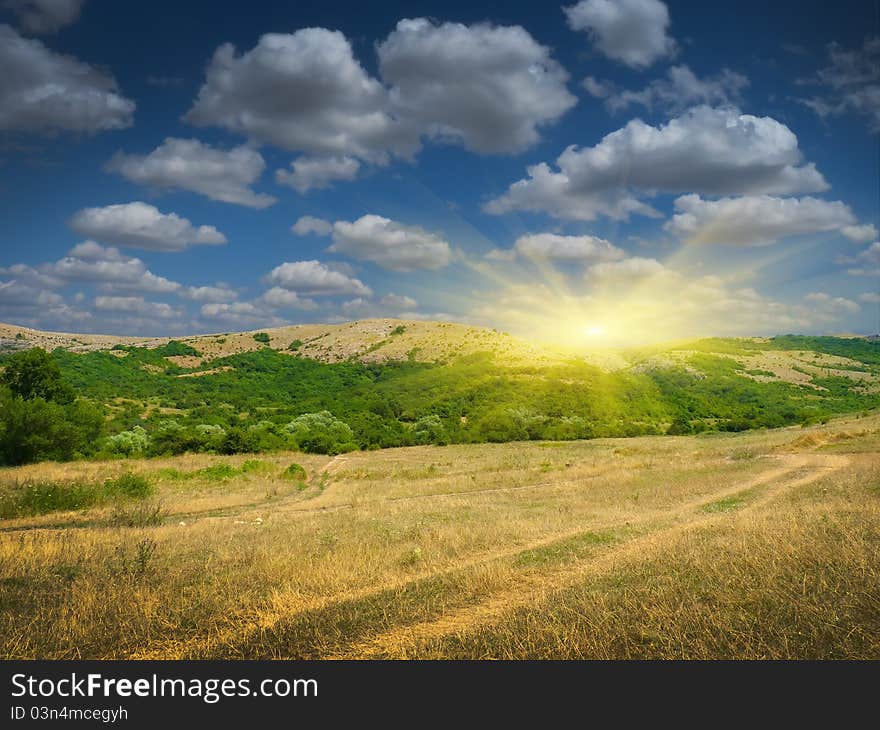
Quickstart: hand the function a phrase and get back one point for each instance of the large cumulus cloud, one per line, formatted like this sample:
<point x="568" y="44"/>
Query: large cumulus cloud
<point x="755" y="220"/>
<point x="43" y="91"/>
<point x="188" y="164"/>
<point x="303" y="92"/>
<point x="486" y="87"/>
<point x="705" y="150"/>
<point x="633" y="32"/>
<point x="140" y="225"/>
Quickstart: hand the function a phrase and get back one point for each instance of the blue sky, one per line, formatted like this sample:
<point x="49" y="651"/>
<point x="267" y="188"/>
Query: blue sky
<point x="605" y="172"/>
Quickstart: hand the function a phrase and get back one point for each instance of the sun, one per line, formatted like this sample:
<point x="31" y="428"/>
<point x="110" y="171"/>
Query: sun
<point x="594" y="330"/>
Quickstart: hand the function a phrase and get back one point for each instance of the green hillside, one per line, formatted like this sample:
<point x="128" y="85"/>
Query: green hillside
<point x="272" y="399"/>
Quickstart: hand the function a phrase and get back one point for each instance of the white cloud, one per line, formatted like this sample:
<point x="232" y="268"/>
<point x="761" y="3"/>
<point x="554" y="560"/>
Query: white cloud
<point x="860" y="234"/>
<point x="147" y="282"/>
<point x="278" y="298"/>
<point x="628" y="270"/>
<point x="679" y="90"/>
<point x="302" y="92"/>
<point x="15" y="292"/>
<point x="599" y="89"/>
<point x="634" y="32"/>
<point x="316" y="278"/>
<point x="754" y="220"/>
<point x="870" y="298"/>
<point x="867" y="262"/>
<point x="852" y="80"/>
<point x="32" y="277"/>
<point x="26" y="304"/>
<point x="317" y="173"/>
<point x="501" y="254"/>
<point x="92" y="251"/>
<point x="90" y="262"/>
<point x="395" y="301"/>
<point x="391" y="305"/>
<point x="359" y="307"/>
<point x="218" y="293"/>
<point x="705" y="150"/>
<point x="486" y="87"/>
<point x="136" y="305"/>
<point x="240" y="314"/>
<point x="871" y="254"/>
<point x="260" y="312"/>
<point x="309" y="224"/>
<point x="187" y="164"/>
<point x="216" y="309"/>
<point x="139" y="225"/>
<point x="43" y="91"/>
<point x="111" y="268"/>
<point x="827" y="306"/>
<point x="390" y="244"/>
<point x="566" y="248"/>
<point x="432" y="317"/>
<point x="44" y="16"/>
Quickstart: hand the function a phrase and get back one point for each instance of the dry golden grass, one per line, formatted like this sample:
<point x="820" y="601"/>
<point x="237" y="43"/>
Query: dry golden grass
<point x="797" y="367"/>
<point x="761" y="544"/>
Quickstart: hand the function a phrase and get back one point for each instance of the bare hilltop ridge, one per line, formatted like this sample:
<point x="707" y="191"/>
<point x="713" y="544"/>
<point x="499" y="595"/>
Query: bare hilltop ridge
<point x="367" y="340"/>
<point x="386" y="340"/>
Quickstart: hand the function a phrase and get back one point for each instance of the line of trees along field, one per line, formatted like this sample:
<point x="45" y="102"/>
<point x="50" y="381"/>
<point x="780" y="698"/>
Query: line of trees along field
<point x="131" y="402"/>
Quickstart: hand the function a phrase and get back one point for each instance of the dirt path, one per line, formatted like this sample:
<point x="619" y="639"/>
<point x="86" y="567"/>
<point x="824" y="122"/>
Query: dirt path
<point x="293" y="604"/>
<point x="289" y="508"/>
<point x="399" y="642"/>
<point x="229" y="512"/>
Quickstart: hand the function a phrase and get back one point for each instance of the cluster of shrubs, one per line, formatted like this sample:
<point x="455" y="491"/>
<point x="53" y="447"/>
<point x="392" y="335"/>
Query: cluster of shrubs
<point x="324" y="433"/>
<point x="317" y="433"/>
<point x="42" y="497"/>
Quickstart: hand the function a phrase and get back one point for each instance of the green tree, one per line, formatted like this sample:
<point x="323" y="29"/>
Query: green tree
<point x="502" y="424"/>
<point x="321" y="433"/>
<point x="430" y="430"/>
<point x="40" y="417"/>
<point x="235" y="441"/>
<point x="36" y="429"/>
<point x="129" y="443"/>
<point x="35" y="374"/>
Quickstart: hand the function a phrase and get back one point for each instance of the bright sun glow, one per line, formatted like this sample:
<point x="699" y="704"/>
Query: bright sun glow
<point x="594" y="330"/>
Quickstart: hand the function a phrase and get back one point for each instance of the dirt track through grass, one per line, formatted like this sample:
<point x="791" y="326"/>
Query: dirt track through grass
<point x="432" y="552"/>
<point x="274" y="630"/>
<point x="531" y="590"/>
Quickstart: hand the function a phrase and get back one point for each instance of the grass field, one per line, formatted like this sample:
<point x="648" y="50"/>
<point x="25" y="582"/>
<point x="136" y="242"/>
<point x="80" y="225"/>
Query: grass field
<point x="763" y="544"/>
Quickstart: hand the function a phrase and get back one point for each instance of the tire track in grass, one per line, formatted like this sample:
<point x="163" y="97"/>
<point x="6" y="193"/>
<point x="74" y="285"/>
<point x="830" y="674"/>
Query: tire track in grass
<point x="233" y="641"/>
<point x="402" y="641"/>
<point x="435" y="495"/>
<point x="227" y="512"/>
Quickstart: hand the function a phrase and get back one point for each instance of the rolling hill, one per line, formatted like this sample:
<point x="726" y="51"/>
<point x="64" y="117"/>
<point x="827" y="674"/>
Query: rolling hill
<point x="368" y="340"/>
<point x="384" y="340"/>
<point x="384" y="382"/>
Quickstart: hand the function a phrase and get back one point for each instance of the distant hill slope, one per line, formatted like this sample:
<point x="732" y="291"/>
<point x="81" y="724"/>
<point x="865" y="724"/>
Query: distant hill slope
<point x="386" y="382"/>
<point x="367" y="340"/>
<point x="13" y="337"/>
<point x="762" y="359"/>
